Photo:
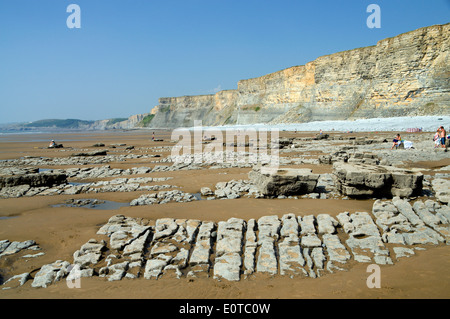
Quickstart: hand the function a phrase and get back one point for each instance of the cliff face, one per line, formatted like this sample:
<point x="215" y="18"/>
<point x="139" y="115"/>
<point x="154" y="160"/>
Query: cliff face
<point x="129" y="123"/>
<point x="405" y="75"/>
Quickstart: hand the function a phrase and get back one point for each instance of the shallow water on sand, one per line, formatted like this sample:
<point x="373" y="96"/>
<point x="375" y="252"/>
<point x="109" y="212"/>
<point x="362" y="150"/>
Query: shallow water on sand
<point x="93" y="204"/>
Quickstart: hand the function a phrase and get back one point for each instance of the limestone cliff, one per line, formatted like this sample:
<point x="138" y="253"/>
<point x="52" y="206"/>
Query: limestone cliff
<point x="125" y="123"/>
<point x="405" y="75"/>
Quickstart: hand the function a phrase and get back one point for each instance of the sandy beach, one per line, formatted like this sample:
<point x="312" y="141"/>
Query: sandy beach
<point x="60" y="231"/>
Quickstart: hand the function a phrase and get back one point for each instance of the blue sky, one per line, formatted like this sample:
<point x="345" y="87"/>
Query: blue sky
<point x="127" y="54"/>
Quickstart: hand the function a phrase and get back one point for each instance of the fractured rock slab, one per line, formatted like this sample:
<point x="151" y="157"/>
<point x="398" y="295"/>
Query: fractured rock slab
<point x="165" y="227"/>
<point x="228" y="267"/>
<point x="137" y="245"/>
<point x="379" y="181"/>
<point x="403" y="252"/>
<point x="200" y="256"/>
<point x="388" y="218"/>
<point x="336" y="250"/>
<point x="406" y="210"/>
<point x="326" y="224"/>
<point x="269" y="227"/>
<point x="290" y="226"/>
<point x="267" y="261"/>
<point x="187" y="230"/>
<point x="365" y="240"/>
<point x="229" y="236"/>
<point x="310" y="241"/>
<point x="10" y="248"/>
<point x="50" y="273"/>
<point x="291" y="258"/>
<point x="404" y="224"/>
<point x="442" y="189"/>
<point x="153" y="268"/>
<point x="286" y="181"/>
<point x="228" y="249"/>
<point x="16" y="281"/>
<point x="307" y="224"/>
<point x="250" y="247"/>
<point x="290" y="246"/>
<point x="89" y="254"/>
<point x="423" y="235"/>
<point x="425" y="215"/>
<point x="290" y="254"/>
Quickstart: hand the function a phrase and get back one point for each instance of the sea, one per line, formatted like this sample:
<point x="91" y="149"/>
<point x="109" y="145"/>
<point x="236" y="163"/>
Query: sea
<point x="35" y="136"/>
<point x="59" y="135"/>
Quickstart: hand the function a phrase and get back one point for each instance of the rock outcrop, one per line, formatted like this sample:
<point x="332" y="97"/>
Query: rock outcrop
<point x="403" y="75"/>
<point x="236" y="249"/>
<point x="442" y="188"/>
<point x="33" y="180"/>
<point x="110" y="124"/>
<point x="286" y="181"/>
<point x="358" y="179"/>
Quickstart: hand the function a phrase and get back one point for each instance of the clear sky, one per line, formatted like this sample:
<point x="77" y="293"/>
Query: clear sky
<point x="129" y="53"/>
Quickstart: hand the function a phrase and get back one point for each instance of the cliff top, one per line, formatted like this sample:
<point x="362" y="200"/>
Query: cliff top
<point x="302" y="66"/>
<point x="350" y="50"/>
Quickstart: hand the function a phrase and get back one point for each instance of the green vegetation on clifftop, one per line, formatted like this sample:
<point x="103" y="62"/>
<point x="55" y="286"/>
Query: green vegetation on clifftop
<point x="68" y="123"/>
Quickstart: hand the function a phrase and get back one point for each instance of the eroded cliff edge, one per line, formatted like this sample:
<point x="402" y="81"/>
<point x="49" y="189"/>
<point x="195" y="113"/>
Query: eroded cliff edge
<point x="405" y="75"/>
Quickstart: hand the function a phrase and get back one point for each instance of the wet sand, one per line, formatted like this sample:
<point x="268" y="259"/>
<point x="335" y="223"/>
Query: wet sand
<point x="60" y="231"/>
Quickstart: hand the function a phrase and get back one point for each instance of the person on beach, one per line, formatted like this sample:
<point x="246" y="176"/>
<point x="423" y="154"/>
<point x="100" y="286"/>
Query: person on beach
<point x="442" y="136"/>
<point x="153" y="136"/>
<point x="437" y="139"/>
<point x="396" y="141"/>
<point x="54" y="145"/>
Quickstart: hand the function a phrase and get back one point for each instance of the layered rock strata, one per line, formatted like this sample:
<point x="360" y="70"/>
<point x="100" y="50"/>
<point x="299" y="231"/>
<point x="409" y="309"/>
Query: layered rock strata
<point x="286" y="181"/>
<point x="403" y="75"/>
<point x="358" y="179"/>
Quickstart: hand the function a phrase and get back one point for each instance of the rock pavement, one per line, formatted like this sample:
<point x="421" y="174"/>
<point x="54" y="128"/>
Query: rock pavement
<point x="235" y="249"/>
<point x="232" y="250"/>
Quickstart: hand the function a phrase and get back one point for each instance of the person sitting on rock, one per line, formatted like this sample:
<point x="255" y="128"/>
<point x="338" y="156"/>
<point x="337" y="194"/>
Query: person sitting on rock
<point x="396" y="141"/>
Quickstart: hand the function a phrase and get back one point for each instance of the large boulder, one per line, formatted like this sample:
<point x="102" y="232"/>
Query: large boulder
<point x="358" y="179"/>
<point x="34" y="179"/>
<point x="286" y="181"/>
